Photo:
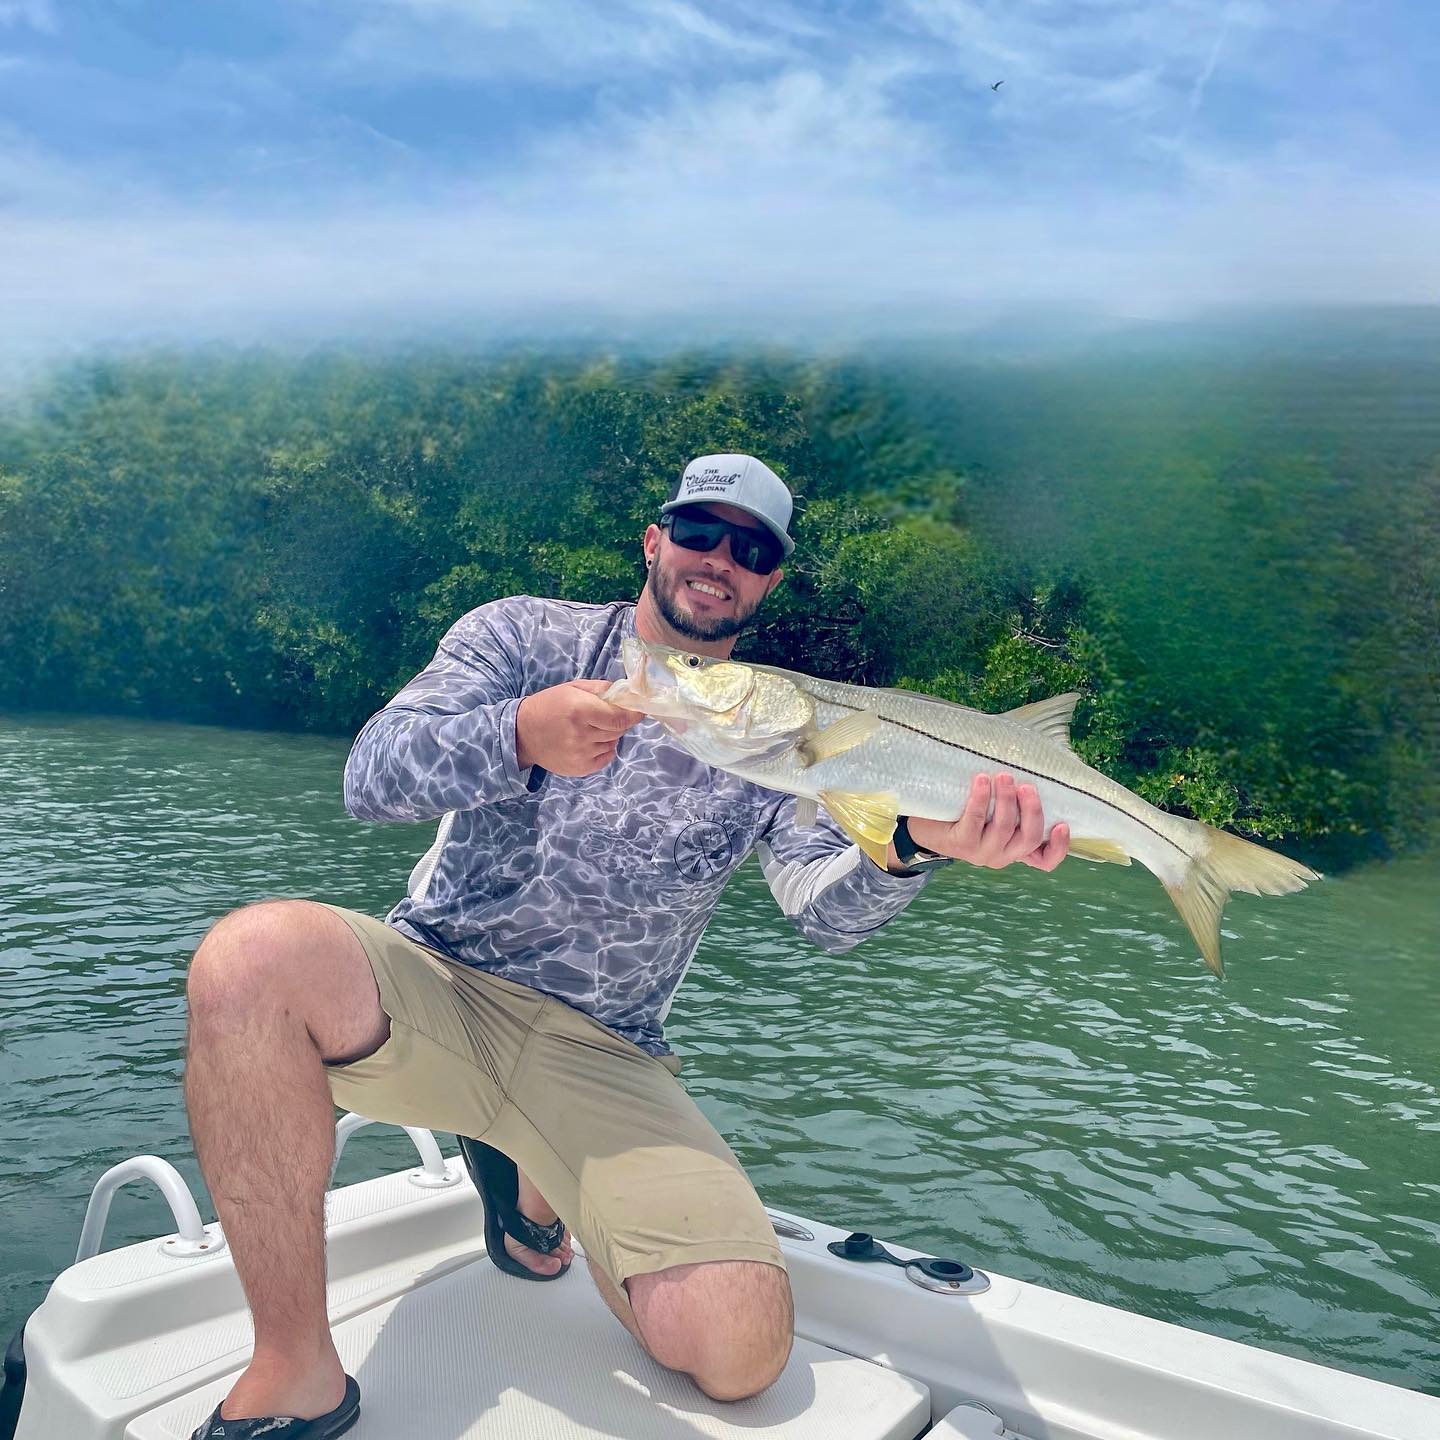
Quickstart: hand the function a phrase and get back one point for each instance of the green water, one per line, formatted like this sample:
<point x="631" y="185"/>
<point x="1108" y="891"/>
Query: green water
<point x="1033" y="1072"/>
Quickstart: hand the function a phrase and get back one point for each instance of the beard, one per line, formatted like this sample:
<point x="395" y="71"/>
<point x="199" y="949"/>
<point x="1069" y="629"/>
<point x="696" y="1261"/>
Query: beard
<point x="667" y="588"/>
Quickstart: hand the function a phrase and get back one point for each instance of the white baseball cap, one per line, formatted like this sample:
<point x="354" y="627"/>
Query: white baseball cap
<point x="742" y="481"/>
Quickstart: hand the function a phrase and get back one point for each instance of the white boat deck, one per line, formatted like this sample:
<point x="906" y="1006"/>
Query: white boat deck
<point x="141" y="1343"/>
<point x="477" y="1355"/>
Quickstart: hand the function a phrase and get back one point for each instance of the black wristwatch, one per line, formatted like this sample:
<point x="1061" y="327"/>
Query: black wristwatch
<point x="909" y="854"/>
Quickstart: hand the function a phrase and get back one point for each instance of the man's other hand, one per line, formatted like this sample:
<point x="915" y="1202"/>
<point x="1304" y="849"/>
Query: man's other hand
<point x="568" y="729"/>
<point x="1015" y="831"/>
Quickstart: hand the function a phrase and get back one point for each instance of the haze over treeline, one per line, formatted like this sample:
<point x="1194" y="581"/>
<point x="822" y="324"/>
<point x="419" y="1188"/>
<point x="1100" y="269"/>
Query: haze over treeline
<point x="1225" y="537"/>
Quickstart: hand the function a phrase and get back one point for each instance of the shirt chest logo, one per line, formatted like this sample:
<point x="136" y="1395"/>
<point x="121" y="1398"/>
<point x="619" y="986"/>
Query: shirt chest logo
<point x="703" y="850"/>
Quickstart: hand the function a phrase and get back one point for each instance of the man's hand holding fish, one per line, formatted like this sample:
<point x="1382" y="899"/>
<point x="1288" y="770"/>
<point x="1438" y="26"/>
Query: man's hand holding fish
<point x="568" y="729"/>
<point x="1013" y="831"/>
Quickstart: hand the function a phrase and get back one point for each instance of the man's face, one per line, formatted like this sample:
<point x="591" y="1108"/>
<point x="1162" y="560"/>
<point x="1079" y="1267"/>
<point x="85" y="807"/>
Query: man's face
<point x="705" y="596"/>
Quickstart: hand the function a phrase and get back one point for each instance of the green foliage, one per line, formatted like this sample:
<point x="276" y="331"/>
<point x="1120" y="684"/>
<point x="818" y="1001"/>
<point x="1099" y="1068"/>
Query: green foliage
<point x="253" y="539"/>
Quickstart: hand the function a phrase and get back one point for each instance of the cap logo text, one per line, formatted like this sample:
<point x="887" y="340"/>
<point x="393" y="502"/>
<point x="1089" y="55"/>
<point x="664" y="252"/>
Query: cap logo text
<point x="710" y="481"/>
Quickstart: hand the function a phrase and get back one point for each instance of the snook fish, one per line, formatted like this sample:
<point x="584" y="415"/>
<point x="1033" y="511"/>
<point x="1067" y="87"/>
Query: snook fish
<point x="869" y="755"/>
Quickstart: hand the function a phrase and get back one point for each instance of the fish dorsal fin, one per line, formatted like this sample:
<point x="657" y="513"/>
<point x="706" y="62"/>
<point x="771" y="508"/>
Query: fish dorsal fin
<point x="1050" y="717"/>
<point x="868" y="819"/>
<point x="1087" y="847"/>
<point x="807" y="812"/>
<point x="845" y="734"/>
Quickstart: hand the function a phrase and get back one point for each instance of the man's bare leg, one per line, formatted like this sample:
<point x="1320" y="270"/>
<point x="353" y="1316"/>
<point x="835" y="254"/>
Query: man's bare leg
<point x="277" y="989"/>
<point x="727" y="1324"/>
<point x="274" y="990"/>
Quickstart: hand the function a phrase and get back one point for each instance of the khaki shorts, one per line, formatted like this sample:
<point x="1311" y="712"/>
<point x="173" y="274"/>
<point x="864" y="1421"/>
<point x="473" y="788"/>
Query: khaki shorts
<point x="606" y="1131"/>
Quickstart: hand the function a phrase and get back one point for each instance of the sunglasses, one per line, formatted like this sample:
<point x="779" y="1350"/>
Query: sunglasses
<point x="757" y="551"/>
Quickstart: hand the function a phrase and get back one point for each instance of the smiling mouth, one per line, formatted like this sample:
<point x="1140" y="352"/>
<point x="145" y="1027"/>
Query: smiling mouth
<point x="705" y="588"/>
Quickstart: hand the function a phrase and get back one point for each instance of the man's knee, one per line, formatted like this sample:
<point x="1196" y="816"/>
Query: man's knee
<point x="293" y="957"/>
<point x="727" y="1324"/>
<point x="242" y="950"/>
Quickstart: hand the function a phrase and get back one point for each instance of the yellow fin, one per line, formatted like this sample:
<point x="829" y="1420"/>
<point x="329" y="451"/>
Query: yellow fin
<point x="836" y="739"/>
<point x="1050" y="717"/>
<point x="1229" y="863"/>
<point x="1200" y="898"/>
<point x="1089" y="848"/>
<point x="868" y="819"/>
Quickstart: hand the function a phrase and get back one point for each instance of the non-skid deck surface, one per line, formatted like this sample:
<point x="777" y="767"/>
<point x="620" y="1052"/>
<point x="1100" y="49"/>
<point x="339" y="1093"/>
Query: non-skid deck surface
<point x="476" y="1355"/>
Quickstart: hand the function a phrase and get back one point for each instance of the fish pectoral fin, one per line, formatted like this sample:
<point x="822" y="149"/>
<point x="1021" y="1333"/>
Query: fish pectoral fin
<point x="868" y="819"/>
<point x="1088" y="847"/>
<point x="836" y="739"/>
<point x="807" y="812"/>
<point x="1050" y="717"/>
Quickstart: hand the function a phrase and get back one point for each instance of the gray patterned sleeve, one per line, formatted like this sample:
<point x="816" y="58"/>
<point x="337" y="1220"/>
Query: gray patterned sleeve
<point x="447" y="740"/>
<point x="830" y="891"/>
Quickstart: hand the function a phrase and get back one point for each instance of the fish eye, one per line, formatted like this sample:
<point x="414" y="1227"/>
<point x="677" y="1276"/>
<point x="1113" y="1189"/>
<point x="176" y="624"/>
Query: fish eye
<point x="693" y="661"/>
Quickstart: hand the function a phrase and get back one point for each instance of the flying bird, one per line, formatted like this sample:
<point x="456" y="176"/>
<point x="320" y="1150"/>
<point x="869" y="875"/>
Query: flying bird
<point x="997" y="84"/>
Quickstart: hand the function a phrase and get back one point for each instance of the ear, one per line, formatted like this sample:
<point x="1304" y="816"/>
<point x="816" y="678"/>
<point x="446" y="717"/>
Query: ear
<point x="776" y="576"/>
<point x="651" y="543"/>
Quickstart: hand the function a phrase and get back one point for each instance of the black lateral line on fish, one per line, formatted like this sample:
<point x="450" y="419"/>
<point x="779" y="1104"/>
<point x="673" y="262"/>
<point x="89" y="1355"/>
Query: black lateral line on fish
<point x="995" y="760"/>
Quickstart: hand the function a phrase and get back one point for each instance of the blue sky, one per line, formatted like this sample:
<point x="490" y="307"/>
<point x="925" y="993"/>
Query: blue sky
<point x="322" y="165"/>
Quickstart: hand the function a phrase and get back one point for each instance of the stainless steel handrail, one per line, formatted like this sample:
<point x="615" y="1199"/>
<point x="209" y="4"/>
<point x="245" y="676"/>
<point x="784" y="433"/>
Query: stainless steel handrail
<point x="433" y="1173"/>
<point x="193" y="1238"/>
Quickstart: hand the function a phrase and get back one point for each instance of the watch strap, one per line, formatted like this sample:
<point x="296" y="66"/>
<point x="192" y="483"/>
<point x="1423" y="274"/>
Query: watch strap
<point x="909" y="853"/>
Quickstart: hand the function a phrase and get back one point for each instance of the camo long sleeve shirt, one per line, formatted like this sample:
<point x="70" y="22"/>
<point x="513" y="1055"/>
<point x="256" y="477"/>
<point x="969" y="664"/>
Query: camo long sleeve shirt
<point x="593" y="889"/>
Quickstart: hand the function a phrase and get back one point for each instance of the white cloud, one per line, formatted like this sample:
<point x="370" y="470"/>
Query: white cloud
<point x="808" y="197"/>
<point x="798" y="134"/>
<point x="1197" y="91"/>
<point x="557" y="42"/>
<point x="1135" y="56"/>
<point x="735" y="242"/>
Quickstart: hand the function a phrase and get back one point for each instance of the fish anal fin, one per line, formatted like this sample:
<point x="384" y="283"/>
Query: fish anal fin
<point x="807" y="812"/>
<point x="1050" y="717"/>
<point x="845" y="734"/>
<point x="1089" y="847"/>
<point x="868" y="819"/>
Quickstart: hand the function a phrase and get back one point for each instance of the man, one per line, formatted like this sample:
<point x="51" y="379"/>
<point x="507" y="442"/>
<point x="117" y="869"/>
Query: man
<point x="518" y="993"/>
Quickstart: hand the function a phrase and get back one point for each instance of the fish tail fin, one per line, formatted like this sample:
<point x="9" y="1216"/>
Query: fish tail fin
<point x="1229" y="863"/>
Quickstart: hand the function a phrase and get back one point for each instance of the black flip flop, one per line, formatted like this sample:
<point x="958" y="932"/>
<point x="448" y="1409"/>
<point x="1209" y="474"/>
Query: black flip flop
<point x="498" y="1181"/>
<point x="286" y="1427"/>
